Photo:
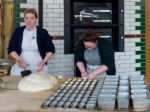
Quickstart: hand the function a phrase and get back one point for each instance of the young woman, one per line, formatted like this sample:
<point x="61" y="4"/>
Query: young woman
<point x="94" y="56"/>
<point x="30" y="46"/>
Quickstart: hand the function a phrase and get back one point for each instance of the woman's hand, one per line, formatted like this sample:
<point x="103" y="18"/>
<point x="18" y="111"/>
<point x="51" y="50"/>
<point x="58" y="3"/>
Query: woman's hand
<point x="84" y="74"/>
<point x="91" y="75"/>
<point x="40" y="66"/>
<point x="22" y="63"/>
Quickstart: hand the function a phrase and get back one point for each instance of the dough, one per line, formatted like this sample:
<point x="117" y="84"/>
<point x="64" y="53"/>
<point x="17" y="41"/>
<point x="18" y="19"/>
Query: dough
<point x="37" y="82"/>
<point x="60" y="77"/>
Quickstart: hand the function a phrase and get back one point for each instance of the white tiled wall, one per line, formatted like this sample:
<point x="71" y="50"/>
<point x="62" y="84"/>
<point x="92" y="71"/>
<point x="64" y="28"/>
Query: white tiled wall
<point x="62" y="64"/>
<point x="130" y="16"/>
<point x="125" y="61"/>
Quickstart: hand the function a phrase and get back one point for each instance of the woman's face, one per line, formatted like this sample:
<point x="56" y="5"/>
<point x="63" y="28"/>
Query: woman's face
<point x="90" y="45"/>
<point x="30" y="20"/>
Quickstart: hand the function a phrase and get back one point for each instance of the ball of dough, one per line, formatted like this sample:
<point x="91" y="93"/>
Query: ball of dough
<point x="37" y="82"/>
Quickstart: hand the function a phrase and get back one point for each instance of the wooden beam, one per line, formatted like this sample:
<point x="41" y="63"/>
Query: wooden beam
<point x="8" y="25"/>
<point x="1" y="43"/>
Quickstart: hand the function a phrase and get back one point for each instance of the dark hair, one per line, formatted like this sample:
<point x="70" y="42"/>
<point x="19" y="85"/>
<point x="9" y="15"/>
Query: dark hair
<point x="91" y="36"/>
<point x="31" y="10"/>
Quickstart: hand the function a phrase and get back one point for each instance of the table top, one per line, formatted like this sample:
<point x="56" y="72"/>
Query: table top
<point x="14" y="100"/>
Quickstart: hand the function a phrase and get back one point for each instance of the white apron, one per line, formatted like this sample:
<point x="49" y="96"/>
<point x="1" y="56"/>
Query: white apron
<point x="30" y="53"/>
<point x="93" y="60"/>
<point x="91" y="68"/>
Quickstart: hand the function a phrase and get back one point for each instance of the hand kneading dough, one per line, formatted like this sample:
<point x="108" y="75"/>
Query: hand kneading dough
<point x="37" y="82"/>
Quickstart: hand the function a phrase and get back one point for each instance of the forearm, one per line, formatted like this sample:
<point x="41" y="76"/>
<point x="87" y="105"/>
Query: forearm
<point x="19" y="60"/>
<point x="47" y="57"/>
<point x="81" y="67"/>
<point x="41" y="64"/>
<point x="101" y="70"/>
<point x="15" y="56"/>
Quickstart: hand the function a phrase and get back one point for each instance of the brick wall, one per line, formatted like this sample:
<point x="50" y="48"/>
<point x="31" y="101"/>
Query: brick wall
<point x="130" y="62"/>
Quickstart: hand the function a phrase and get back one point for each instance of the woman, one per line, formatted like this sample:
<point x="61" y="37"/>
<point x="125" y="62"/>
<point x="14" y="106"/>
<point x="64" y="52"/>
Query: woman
<point x="94" y="56"/>
<point x="30" y="46"/>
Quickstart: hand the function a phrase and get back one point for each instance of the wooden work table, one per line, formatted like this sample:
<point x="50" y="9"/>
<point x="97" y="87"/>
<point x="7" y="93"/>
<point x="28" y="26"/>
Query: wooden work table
<point x="13" y="100"/>
<point x="18" y="101"/>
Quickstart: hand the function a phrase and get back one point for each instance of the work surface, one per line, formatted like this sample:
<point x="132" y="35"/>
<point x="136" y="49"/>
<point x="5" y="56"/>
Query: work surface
<point x="13" y="100"/>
